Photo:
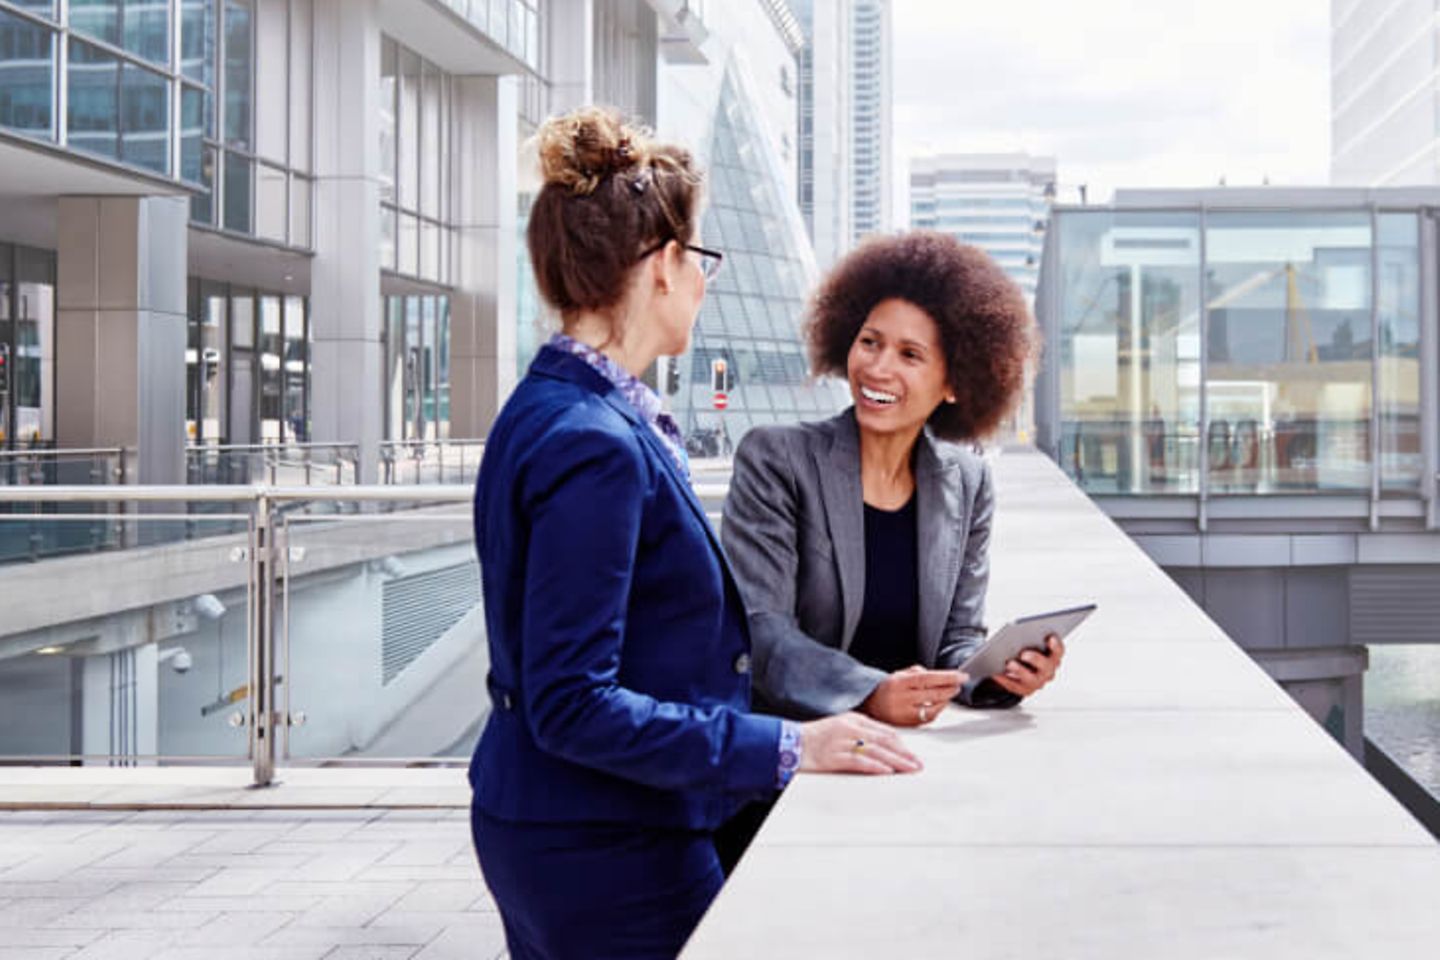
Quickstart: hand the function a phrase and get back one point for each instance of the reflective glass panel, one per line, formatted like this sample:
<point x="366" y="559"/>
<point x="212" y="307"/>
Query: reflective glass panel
<point x="96" y="18"/>
<point x="92" y="106"/>
<point x="239" y="72"/>
<point x="27" y="77"/>
<point x="409" y="124"/>
<point x="270" y="348"/>
<point x="300" y="190"/>
<point x="432" y="156"/>
<point x="192" y="134"/>
<point x="1288" y="384"/>
<point x="147" y="29"/>
<point x="239" y="173"/>
<point x="389" y="90"/>
<point x="296" y="367"/>
<point x="197" y="41"/>
<point x="144" y="118"/>
<point x="271" y="74"/>
<point x="1130" y="351"/>
<point x="270" y="213"/>
<point x="298" y="96"/>
<point x="1398" y="305"/>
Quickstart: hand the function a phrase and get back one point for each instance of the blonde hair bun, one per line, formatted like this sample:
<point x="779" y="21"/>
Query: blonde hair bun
<point x="581" y="148"/>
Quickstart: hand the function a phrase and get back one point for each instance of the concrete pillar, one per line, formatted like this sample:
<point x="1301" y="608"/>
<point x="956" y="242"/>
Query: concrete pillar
<point x="483" y="308"/>
<point x="345" y="307"/>
<point x="571" y="29"/>
<point x="1329" y="682"/>
<point x="120" y="330"/>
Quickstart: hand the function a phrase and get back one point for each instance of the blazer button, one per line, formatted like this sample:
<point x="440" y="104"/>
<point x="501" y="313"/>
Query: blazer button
<point x="742" y="663"/>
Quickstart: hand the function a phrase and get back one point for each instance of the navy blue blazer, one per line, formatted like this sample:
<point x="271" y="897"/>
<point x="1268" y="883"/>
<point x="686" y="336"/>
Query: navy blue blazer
<point x="619" y="652"/>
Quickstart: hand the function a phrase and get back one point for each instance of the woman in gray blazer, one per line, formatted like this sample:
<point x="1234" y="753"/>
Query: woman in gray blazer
<point x="860" y="543"/>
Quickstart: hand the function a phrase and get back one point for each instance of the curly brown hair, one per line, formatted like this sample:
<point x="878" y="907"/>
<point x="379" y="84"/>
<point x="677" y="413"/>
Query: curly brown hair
<point x="986" y="329"/>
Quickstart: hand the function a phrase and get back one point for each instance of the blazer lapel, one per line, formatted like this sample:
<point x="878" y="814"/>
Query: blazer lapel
<point x="940" y="529"/>
<point x="839" y="470"/>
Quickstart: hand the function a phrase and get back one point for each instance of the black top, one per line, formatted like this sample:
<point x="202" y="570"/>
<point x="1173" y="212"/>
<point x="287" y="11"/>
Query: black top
<point x="888" y="635"/>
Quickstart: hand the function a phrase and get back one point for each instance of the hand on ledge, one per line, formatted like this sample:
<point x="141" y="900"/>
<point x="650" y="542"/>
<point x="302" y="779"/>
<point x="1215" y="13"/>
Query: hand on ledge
<point x="850" y="743"/>
<point x="913" y="697"/>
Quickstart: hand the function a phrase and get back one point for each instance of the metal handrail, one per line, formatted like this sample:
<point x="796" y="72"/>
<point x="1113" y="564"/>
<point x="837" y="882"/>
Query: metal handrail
<point x="395" y="453"/>
<point x="240" y="493"/>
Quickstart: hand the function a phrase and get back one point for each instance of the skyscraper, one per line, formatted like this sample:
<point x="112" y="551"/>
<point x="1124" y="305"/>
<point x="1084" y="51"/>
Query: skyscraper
<point x="998" y="202"/>
<point x="870" y="111"/>
<point x="1384" y="128"/>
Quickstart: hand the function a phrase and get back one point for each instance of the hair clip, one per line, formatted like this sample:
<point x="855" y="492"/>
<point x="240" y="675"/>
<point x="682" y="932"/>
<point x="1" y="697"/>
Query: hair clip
<point x="640" y="181"/>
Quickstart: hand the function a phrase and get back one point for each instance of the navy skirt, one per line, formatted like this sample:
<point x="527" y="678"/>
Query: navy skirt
<point x="595" y="891"/>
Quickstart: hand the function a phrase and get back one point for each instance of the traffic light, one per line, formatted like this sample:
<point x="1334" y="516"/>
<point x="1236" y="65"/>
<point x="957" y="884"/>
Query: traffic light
<point x="4" y="368"/>
<point x="672" y="375"/>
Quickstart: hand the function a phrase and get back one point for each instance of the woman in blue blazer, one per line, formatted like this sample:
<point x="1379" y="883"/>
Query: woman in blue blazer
<point x="620" y="736"/>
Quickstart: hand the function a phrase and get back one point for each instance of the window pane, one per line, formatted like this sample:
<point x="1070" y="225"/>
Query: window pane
<point x="202" y="205"/>
<point x="96" y="18"/>
<point x="1130" y="351"/>
<point x="270" y="212"/>
<point x="144" y="118"/>
<point x="389" y="90"/>
<point x="387" y="237"/>
<point x="238" y="174"/>
<point x="270" y="349"/>
<point x="431" y="155"/>
<point x="1289" y="380"/>
<point x="429" y="250"/>
<point x="92" y="107"/>
<point x="192" y="131"/>
<point x="27" y="77"/>
<point x="409" y="120"/>
<point x="271" y="71"/>
<point x="299" y="93"/>
<point x="197" y="41"/>
<point x="408" y="252"/>
<point x="239" y="72"/>
<point x="300" y="189"/>
<point x="147" y="30"/>
<point x="1399" y="309"/>
<point x="297" y="361"/>
<point x="45" y="8"/>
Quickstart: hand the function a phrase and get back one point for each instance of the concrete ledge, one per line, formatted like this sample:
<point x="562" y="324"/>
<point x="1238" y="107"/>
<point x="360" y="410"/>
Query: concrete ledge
<point x="1165" y="798"/>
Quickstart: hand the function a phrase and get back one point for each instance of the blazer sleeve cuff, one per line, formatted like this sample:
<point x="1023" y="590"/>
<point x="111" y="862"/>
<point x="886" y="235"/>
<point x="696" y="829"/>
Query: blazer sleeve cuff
<point x="986" y="694"/>
<point x="756" y="752"/>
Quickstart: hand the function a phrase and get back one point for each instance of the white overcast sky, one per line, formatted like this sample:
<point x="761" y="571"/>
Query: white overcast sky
<point x="1124" y="93"/>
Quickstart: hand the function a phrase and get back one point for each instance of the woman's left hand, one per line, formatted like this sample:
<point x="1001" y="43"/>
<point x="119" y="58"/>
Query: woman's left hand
<point x="1030" y="671"/>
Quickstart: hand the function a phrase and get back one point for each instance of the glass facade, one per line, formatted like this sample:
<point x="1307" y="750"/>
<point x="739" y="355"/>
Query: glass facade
<point x="1235" y="351"/>
<point x="417" y="367"/>
<point x="415" y="133"/>
<point x="752" y="310"/>
<point x="513" y="24"/>
<point x="230" y="114"/>
<point x="247" y="366"/>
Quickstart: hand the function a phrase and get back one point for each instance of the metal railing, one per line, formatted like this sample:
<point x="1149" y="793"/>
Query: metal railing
<point x="265" y="544"/>
<point x="46" y="465"/>
<point x="274" y="464"/>
<point x="430" y="461"/>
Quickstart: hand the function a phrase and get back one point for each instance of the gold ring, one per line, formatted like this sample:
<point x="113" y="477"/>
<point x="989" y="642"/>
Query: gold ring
<point x="859" y="746"/>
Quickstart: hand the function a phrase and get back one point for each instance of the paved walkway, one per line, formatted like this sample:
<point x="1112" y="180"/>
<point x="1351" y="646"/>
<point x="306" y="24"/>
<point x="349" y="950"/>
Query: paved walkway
<point x="278" y="884"/>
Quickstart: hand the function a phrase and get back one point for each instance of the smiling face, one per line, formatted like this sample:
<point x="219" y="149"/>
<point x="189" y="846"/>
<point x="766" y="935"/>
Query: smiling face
<point x="897" y="369"/>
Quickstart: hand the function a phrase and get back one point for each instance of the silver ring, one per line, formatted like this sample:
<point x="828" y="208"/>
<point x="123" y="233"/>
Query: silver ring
<point x="924" y="713"/>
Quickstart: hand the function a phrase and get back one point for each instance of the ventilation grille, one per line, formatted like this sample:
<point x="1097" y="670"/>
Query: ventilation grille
<point x="1394" y="604"/>
<point x="417" y="610"/>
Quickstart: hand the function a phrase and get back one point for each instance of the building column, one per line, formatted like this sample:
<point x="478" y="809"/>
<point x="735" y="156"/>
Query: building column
<point x="483" y="307"/>
<point x="346" y="315"/>
<point x="120" y="330"/>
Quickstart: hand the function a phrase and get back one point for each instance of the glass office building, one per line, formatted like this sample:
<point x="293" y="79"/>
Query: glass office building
<point x="1237" y="349"/>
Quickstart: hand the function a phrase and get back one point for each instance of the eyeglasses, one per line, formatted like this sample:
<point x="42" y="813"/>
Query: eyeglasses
<point x="710" y="260"/>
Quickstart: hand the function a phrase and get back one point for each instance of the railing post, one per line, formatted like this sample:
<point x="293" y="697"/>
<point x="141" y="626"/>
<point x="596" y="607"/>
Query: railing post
<point x="262" y="646"/>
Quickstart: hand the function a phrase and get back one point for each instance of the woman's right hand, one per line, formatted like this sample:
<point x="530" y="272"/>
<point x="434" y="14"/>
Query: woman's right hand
<point x="913" y="697"/>
<point x="851" y="743"/>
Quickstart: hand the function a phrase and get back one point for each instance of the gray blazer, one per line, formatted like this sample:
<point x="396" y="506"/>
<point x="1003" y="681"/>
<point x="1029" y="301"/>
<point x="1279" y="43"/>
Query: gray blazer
<point x="794" y="531"/>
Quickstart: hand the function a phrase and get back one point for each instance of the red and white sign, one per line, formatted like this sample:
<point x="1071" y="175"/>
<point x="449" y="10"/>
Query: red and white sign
<point x="722" y="400"/>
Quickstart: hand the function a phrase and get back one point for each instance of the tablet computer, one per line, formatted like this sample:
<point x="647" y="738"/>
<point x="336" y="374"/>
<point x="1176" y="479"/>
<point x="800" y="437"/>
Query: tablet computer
<point x="1026" y="633"/>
